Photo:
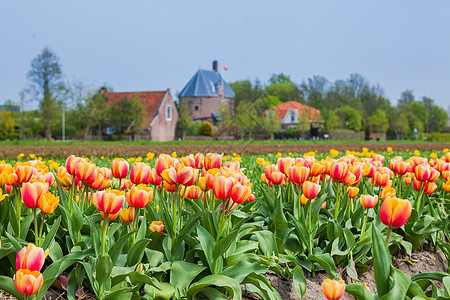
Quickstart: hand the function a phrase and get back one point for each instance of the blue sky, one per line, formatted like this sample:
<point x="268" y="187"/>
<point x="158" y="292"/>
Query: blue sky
<point x="154" y="45"/>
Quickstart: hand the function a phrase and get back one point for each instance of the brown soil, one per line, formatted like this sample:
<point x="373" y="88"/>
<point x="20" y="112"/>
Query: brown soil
<point x="142" y="150"/>
<point x="423" y="262"/>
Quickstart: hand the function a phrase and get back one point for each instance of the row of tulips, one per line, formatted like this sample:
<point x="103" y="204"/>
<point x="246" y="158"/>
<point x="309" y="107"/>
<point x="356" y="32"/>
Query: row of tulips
<point x="200" y="211"/>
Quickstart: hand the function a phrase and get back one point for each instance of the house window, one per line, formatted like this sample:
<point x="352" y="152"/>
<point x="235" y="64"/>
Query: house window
<point x="196" y="108"/>
<point x="293" y="117"/>
<point x="168" y="112"/>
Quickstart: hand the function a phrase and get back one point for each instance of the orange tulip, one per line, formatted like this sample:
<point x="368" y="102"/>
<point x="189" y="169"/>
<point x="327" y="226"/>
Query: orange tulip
<point x="140" y="173"/>
<point x="268" y="170"/>
<point x="119" y="168"/>
<point x="199" y="158"/>
<point x="105" y="172"/>
<point x="395" y="212"/>
<point x="127" y="215"/>
<point x="430" y="188"/>
<point x="71" y="163"/>
<point x="310" y="190"/>
<point x="169" y="187"/>
<point x="65" y="179"/>
<point x="352" y="192"/>
<point x="446" y="186"/>
<point x="368" y="201"/>
<point x="28" y="282"/>
<point x="157" y="226"/>
<point x="338" y="170"/>
<point x="422" y="172"/>
<point x="447" y="157"/>
<point x="401" y="167"/>
<point x="303" y="199"/>
<point x="2" y="196"/>
<point x="297" y="174"/>
<point x="8" y="177"/>
<point x="188" y="161"/>
<point x="316" y="169"/>
<point x="139" y="196"/>
<point x="32" y="192"/>
<point x="109" y="201"/>
<point x="240" y="193"/>
<point x="23" y="171"/>
<point x="187" y="175"/>
<point x="98" y="182"/>
<point x="445" y="175"/>
<point x="387" y="192"/>
<point x="368" y="170"/>
<point x="333" y="289"/>
<point x="223" y="186"/>
<point x="49" y="178"/>
<point x="381" y="179"/>
<point x="154" y="178"/>
<point x="31" y="258"/>
<point x="434" y="175"/>
<point x="190" y="192"/>
<point x="350" y="179"/>
<point x="418" y="185"/>
<point x="162" y="163"/>
<point x="169" y="175"/>
<point x="284" y="162"/>
<point x="277" y="177"/>
<point x="212" y="161"/>
<point x="408" y="178"/>
<point x="85" y="171"/>
<point x="202" y="184"/>
<point x="48" y="203"/>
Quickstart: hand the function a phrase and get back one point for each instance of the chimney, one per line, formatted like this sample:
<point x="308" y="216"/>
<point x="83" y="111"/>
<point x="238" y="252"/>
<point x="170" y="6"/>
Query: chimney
<point x="215" y="63"/>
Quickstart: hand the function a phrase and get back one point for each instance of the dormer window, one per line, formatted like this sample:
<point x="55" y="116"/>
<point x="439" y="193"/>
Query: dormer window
<point x="292" y="117"/>
<point x="168" y="113"/>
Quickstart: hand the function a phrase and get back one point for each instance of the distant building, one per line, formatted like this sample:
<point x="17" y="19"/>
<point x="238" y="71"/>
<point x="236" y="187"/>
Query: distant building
<point x="161" y="113"/>
<point x="291" y="113"/>
<point x="205" y="93"/>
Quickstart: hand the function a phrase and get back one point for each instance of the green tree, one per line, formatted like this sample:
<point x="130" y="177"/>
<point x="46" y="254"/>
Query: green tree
<point x="332" y="121"/>
<point x="184" y="120"/>
<point x="379" y="122"/>
<point x="244" y="90"/>
<point x="437" y="116"/>
<point x="266" y="103"/>
<point x="127" y="114"/>
<point x="246" y="118"/>
<point x="271" y="122"/>
<point x="350" y="117"/>
<point x="303" y="124"/>
<point x="47" y="87"/>
<point x="282" y="87"/>
<point x="6" y="125"/>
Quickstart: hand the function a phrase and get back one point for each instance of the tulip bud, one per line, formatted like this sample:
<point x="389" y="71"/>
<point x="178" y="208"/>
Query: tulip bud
<point x="31" y="258"/>
<point x="352" y="192"/>
<point x="28" y="282"/>
<point x="395" y="212"/>
<point x="48" y="203"/>
<point x="127" y="215"/>
<point x="333" y="289"/>
<point x="368" y="201"/>
<point x="157" y="226"/>
<point x="119" y="168"/>
<point x="310" y="190"/>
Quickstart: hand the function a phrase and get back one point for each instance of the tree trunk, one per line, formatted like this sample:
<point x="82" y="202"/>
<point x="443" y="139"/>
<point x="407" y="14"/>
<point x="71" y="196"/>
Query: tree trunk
<point x="86" y="132"/>
<point x="48" y="132"/>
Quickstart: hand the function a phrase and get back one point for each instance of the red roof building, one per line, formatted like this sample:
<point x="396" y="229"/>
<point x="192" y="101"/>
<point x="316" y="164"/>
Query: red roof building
<point x="291" y="112"/>
<point x="161" y="113"/>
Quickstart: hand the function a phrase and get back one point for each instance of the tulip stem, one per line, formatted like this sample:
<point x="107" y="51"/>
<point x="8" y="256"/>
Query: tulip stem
<point x="18" y="210"/>
<point x="336" y="208"/>
<point x="40" y="230"/>
<point x="309" y="228"/>
<point x="120" y="184"/>
<point x="388" y="235"/>
<point x="104" y="232"/>
<point x="135" y="224"/>
<point x="364" y="225"/>
<point x="36" y="231"/>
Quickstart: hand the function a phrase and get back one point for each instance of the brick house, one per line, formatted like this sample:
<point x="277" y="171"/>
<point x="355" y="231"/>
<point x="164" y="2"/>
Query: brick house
<point x="290" y="113"/>
<point x="205" y="93"/>
<point x="161" y="113"/>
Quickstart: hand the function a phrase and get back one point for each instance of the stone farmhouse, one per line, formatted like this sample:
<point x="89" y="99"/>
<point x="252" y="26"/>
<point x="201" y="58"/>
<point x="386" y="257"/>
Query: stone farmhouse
<point x="205" y="93"/>
<point x="161" y="113"/>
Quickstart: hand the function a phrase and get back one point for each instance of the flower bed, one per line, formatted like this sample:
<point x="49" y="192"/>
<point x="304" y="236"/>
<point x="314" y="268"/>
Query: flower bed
<point x="210" y="226"/>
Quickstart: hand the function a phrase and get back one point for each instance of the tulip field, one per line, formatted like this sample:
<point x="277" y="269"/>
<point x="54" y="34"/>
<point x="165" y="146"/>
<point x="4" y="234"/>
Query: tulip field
<point x="212" y="226"/>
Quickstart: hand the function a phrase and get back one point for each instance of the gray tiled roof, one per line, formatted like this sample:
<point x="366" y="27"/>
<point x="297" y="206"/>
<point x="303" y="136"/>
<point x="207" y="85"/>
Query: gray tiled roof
<point x="204" y="84"/>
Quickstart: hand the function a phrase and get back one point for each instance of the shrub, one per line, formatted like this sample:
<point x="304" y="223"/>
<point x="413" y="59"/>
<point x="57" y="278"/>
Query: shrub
<point x="207" y="129"/>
